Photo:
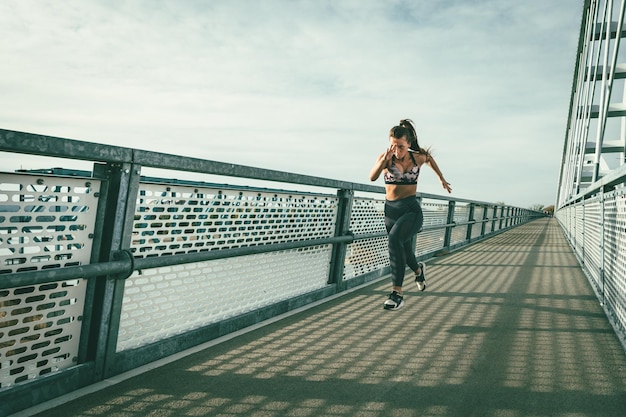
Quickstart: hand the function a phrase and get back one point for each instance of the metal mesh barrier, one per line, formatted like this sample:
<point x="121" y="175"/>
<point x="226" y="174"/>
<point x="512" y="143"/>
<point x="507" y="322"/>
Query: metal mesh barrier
<point x="479" y="212"/>
<point x="591" y="246"/>
<point x="45" y="222"/>
<point x="579" y="228"/>
<point x="429" y="241"/>
<point x="615" y="255"/>
<point x="493" y="225"/>
<point x="596" y="229"/>
<point x="461" y="215"/>
<point x="161" y="302"/>
<point x="180" y="219"/>
<point x="368" y="255"/>
<point x="39" y="329"/>
<point x="435" y="214"/>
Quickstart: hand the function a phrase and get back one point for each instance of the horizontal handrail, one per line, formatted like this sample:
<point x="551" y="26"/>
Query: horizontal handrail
<point x="131" y="264"/>
<point x="34" y="144"/>
<point x="44" y="276"/>
<point x="128" y="266"/>
<point x="606" y="183"/>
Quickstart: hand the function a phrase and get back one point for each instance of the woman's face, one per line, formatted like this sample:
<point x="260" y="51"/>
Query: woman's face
<point x="399" y="147"/>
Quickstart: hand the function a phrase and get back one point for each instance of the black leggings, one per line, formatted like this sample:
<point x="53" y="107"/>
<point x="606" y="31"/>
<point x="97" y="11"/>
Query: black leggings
<point x="403" y="219"/>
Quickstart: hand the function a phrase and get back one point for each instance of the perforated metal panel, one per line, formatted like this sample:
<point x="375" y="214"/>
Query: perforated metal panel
<point x="364" y="256"/>
<point x="494" y="225"/>
<point x="180" y="219"/>
<point x="596" y="229"/>
<point x="39" y="329"/>
<point x="429" y="241"/>
<point x="45" y="221"/>
<point x="461" y="213"/>
<point x="593" y="237"/>
<point x="367" y="216"/>
<point x="479" y="213"/>
<point x="459" y="233"/>
<point x="615" y="254"/>
<point x="159" y="303"/>
<point x="579" y="227"/>
<point x="500" y="223"/>
<point x="435" y="214"/>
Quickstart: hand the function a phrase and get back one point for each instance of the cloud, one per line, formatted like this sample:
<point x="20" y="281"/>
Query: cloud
<point x="310" y="87"/>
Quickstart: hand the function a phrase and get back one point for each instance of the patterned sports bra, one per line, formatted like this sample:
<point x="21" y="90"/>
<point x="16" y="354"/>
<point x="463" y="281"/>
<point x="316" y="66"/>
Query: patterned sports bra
<point x="393" y="175"/>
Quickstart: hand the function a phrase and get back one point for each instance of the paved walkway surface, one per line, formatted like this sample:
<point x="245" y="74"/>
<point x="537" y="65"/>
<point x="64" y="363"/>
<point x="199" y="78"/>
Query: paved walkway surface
<point x="507" y="327"/>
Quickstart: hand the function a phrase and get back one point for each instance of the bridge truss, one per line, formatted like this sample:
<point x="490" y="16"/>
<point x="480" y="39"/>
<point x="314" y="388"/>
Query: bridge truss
<point x="595" y="143"/>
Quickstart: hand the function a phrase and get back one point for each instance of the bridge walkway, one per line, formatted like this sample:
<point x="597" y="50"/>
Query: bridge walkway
<point x="507" y="327"/>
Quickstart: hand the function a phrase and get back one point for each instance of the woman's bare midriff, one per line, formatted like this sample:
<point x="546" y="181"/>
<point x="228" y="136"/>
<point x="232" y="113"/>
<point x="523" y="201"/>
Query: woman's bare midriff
<point x="395" y="192"/>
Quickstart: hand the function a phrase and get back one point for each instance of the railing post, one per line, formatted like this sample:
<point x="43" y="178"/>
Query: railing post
<point x="483" y="225"/>
<point x="583" y="232"/>
<point x="470" y="219"/>
<point x="92" y="310"/>
<point x="116" y="229"/>
<point x="602" y="232"/>
<point x="448" y="235"/>
<point x="342" y="227"/>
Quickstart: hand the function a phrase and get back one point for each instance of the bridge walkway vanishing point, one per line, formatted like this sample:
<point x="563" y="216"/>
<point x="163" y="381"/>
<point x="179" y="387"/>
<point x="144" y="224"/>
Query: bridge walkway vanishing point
<point x="507" y="327"/>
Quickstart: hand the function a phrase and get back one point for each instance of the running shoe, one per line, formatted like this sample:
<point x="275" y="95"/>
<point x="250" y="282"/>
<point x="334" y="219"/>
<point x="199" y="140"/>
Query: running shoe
<point x="420" y="279"/>
<point x="395" y="301"/>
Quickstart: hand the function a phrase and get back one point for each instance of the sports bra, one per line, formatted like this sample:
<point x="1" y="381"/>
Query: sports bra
<point x="393" y="175"/>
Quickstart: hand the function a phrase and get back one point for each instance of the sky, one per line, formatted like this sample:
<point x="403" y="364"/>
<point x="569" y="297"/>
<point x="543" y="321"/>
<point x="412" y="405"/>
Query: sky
<point x="310" y="87"/>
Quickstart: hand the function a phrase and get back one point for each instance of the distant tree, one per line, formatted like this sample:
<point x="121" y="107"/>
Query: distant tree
<point x="549" y="210"/>
<point x="536" y="207"/>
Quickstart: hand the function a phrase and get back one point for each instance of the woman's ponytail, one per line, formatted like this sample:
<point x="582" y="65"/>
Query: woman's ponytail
<point x="412" y="138"/>
<point x="412" y="135"/>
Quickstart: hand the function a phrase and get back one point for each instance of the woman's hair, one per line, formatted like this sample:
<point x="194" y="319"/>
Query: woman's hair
<point x="406" y="128"/>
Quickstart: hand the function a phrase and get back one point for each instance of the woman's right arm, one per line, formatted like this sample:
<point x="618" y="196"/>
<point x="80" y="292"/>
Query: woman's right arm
<point x="379" y="166"/>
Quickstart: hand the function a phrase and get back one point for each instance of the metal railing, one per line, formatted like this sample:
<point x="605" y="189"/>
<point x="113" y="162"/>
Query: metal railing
<point x="591" y="206"/>
<point x="594" y="222"/>
<point x="105" y="270"/>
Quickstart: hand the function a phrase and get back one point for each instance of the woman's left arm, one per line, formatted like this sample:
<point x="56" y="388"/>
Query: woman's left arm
<point x="431" y="162"/>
